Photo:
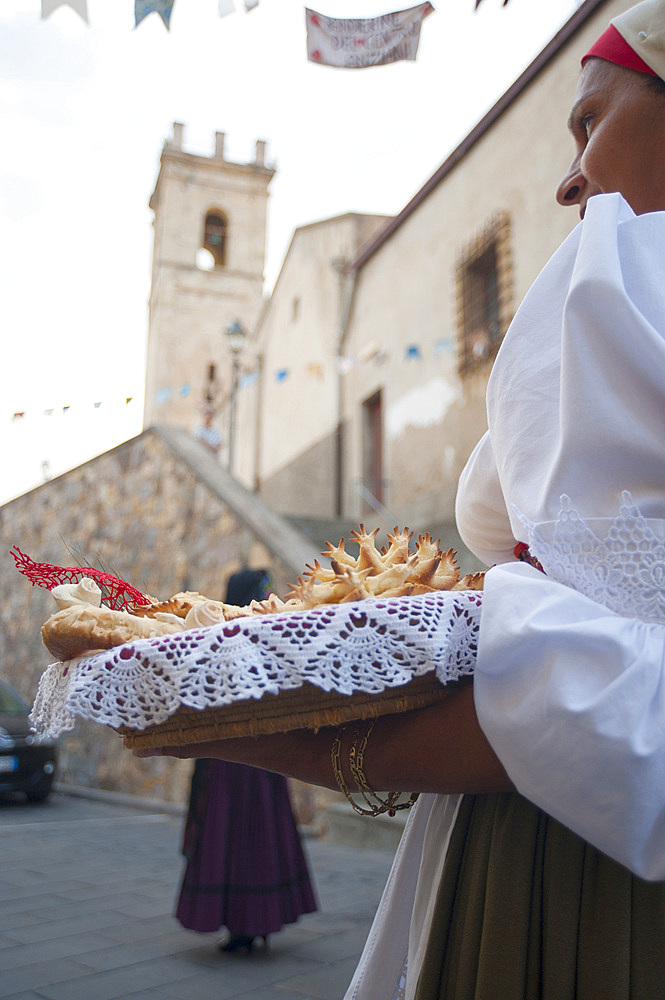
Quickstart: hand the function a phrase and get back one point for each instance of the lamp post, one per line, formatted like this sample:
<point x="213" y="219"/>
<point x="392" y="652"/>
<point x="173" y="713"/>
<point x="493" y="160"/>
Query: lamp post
<point x="235" y="338"/>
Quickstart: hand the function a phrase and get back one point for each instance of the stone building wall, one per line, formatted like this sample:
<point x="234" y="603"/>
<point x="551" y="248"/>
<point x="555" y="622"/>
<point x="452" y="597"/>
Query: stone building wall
<point x="144" y="513"/>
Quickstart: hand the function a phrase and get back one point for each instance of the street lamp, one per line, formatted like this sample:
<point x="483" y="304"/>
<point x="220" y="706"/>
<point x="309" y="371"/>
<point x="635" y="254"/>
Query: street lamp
<point x="235" y="338"/>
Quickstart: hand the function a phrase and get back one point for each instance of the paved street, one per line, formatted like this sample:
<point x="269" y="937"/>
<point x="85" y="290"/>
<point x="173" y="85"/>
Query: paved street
<point x="87" y="890"/>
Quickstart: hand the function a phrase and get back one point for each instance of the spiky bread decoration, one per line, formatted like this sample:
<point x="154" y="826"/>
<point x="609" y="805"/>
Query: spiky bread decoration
<point x="391" y="571"/>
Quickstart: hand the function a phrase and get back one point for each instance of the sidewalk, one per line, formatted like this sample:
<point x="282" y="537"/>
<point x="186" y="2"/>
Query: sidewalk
<point x="87" y="891"/>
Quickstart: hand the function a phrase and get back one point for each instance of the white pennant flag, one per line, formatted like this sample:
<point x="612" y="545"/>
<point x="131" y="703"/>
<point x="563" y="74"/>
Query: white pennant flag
<point x="80" y="6"/>
<point x="225" y="7"/>
<point x="357" y="42"/>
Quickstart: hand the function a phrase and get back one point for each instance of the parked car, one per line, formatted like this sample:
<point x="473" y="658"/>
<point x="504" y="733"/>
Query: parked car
<point x="27" y="761"/>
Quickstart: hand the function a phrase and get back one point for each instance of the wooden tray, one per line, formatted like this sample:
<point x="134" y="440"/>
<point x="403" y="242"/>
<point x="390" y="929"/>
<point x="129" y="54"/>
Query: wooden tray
<point x="306" y="707"/>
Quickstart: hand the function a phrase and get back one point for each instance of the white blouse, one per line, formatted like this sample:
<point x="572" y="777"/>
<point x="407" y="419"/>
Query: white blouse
<point x="569" y="684"/>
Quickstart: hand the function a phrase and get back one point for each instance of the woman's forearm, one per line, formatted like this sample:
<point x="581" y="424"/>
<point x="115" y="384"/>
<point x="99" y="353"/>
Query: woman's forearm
<point x="437" y="749"/>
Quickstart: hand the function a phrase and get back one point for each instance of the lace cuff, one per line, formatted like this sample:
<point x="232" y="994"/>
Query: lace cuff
<point x="617" y="562"/>
<point x="367" y="646"/>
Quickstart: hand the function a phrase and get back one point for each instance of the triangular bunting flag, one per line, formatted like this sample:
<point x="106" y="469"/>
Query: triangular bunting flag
<point x="251" y="4"/>
<point x="80" y="6"/>
<point x="444" y="345"/>
<point x="226" y="7"/>
<point x="144" y="7"/>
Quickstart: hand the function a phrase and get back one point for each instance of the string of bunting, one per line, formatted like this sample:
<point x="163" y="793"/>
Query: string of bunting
<point x="316" y="369"/>
<point x="373" y="353"/>
<point x="142" y="8"/>
<point x="331" y="41"/>
<point x="52" y="410"/>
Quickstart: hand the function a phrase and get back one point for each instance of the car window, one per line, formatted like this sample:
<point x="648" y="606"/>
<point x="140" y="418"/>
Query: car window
<point x="10" y="701"/>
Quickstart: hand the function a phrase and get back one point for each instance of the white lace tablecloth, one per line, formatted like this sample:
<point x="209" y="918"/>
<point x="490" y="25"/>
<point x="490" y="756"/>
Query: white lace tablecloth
<point x="367" y="646"/>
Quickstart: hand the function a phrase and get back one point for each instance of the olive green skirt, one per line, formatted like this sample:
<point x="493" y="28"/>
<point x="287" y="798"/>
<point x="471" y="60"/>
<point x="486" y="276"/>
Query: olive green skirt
<point x="527" y="910"/>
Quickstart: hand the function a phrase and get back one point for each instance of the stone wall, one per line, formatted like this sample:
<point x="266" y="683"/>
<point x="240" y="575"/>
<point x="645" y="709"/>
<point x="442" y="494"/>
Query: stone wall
<point x="150" y="514"/>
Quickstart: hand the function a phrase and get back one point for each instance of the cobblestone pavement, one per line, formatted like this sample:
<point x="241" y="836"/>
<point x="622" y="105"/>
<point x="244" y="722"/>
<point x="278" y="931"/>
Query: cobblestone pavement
<point x="87" y="891"/>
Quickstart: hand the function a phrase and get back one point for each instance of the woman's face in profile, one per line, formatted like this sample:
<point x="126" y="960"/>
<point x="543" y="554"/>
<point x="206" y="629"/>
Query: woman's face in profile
<point x="618" y="126"/>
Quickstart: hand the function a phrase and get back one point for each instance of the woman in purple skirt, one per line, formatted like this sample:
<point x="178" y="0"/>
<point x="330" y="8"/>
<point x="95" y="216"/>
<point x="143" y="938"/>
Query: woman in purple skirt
<point x="246" y="869"/>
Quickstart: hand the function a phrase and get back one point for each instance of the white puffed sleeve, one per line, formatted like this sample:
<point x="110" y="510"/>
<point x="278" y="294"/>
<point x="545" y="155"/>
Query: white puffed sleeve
<point x="570" y="679"/>
<point x="572" y="699"/>
<point x="480" y="509"/>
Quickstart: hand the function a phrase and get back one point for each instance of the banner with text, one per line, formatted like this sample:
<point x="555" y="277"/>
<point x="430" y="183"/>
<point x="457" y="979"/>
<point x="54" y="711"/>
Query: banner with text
<point x="358" y="42"/>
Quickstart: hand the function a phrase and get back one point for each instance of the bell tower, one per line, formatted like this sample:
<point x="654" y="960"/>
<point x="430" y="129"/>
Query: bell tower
<point x="207" y="275"/>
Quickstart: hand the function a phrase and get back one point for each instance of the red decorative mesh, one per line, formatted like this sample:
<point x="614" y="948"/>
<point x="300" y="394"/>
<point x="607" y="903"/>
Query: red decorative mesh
<point x="116" y="594"/>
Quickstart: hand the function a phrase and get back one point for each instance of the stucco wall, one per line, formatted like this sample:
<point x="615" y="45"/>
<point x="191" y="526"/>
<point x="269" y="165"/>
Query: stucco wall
<point x="309" y="478"/>
<point x="289" y="437"/>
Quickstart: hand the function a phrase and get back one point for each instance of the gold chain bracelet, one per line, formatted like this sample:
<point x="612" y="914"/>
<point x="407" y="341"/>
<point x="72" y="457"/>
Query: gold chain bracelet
<point x="379" y="806"/>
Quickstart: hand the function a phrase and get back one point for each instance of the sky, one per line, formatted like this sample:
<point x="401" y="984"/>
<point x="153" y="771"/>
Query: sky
<point x="85" y="110"/>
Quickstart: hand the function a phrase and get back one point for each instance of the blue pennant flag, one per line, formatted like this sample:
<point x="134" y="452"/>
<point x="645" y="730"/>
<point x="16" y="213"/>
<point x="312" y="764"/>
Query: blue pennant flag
<point x="144" y="7"/>
<point x="444" y="345"/>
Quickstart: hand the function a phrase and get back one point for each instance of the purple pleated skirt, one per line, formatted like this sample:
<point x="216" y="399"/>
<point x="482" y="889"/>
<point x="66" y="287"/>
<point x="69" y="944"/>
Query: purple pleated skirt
<point x="246" y="869"/>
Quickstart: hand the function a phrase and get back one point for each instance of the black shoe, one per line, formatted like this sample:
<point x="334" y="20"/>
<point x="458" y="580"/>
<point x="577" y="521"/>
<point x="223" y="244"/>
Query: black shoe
<point x="242" y="942"/>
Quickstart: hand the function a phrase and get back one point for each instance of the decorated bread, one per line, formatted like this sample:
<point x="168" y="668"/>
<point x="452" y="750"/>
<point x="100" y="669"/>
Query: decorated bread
<point x="83" y="625"/>
<point x="81" y="628"/>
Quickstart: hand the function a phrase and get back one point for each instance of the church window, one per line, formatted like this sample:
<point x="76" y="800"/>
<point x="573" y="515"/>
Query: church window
<point x="484" y="295"/>
<point x="215" y="237"/>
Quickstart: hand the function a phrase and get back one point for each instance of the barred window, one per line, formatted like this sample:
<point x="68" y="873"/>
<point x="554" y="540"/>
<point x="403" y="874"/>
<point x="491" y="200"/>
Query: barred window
<point x="484" y="295"/>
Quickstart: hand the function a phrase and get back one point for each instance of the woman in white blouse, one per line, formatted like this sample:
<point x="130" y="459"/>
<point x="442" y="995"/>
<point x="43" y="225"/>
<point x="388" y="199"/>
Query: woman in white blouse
<point x="533" y="871"/>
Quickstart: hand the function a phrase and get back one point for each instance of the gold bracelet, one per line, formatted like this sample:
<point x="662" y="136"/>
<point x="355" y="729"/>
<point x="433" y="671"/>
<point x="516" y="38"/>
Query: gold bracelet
<point x="339" y="777"/>
<point x="379" y="806"/>
<point x="356" y="757"/>
<point x="390" y="804"/>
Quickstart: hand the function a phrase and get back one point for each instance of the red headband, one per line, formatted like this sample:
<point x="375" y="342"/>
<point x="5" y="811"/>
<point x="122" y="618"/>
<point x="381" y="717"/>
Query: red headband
<point x="613" y="46"/>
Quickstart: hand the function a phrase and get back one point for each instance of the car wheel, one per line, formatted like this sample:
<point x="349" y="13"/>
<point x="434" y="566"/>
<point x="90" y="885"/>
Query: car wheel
<point x="39" y="794"/>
